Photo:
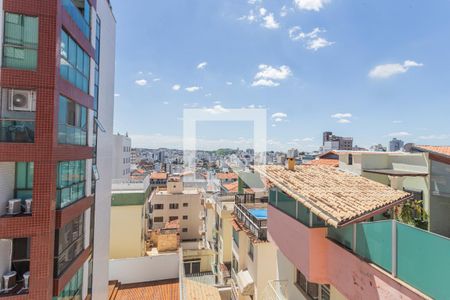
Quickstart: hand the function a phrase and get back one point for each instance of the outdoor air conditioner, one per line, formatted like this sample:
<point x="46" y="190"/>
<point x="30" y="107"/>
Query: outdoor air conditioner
<point x="22" y="100"/>
<point x="27" y="207"/>
<point x="14" y="206"/>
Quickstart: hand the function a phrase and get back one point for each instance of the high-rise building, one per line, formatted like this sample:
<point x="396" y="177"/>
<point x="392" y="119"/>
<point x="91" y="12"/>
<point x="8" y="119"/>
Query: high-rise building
<point x="56" y="121"/>
<point x="396" y="145"/>
<point x="334" y="142"/>
<point x="121" y="162"/>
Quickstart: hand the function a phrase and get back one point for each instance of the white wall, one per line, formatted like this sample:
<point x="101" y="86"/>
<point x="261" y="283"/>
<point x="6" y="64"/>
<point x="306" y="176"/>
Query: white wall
<point x="121" y="159"/>
<point x="104" y="151"/>
<point x="146" y="268"/>
<point x="7" y="178"/>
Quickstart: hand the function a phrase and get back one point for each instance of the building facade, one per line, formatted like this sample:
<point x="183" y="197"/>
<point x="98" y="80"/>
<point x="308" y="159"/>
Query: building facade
<point x="56" y="117"/>
<point x="396" y="145"/>
<point x="121" y="167"/>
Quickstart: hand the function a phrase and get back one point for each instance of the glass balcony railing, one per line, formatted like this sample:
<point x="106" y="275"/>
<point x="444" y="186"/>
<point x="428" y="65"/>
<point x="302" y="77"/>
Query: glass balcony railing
<point x="417" y="257"/>
<point x="17" y="131"/>
<point x="71" y="135"/>
<point x="70" y="194"/>
<point x="78" y="18"/>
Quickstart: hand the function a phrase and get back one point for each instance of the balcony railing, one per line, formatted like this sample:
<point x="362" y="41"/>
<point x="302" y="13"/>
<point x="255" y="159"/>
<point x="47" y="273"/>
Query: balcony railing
<point x="17" y="131"/>
<point x="201" y="215"/>
<point x="276" y="290"/>
<point x="258" y="227"/>
<point x="202" y="229"/>
<point x="245" y="198"/>
<point x="78" y="18"/>
<point x="418" y="257"/>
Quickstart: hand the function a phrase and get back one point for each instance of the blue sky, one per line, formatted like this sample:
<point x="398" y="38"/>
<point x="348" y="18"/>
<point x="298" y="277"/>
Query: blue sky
<point x="368" y="69"/>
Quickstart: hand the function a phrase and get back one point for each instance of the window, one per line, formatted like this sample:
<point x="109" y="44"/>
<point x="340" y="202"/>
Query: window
<point x="185" y="230"/>
<point x="80" y="11"/>
<point x="234" y="264"/>
<point x="72" y="122"/>
<point x="72" y="290"/>
<point x="185" y="217"/>
<point x="24" y="180"/>
<point x="324" y="292"/>
<point x="71" y="181"/>
<point x="21" y="256"/>
<point x="75" y="63"/>
<point x="69" y="243"/>
<point x="20" y="44"/>
<point x="173" y="206"/>
<point x="311" y="289"/>
<point x="350" y="159"/>
<point x="158" y="219"/>
<point x="173" y="218"/>
<point x="236" y="237"/>
<point x="185" y="204"/>
<point x="158" y="206"/>
<point x="250" y="249"/>
<point x="191" y="266"/>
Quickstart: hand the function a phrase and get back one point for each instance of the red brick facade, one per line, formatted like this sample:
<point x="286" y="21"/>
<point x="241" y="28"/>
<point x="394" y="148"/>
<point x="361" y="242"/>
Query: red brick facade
<point x="45" y="151"/>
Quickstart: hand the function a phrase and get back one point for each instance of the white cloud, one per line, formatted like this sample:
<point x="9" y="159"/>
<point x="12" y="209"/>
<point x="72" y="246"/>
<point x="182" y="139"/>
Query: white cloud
<point x="397" y="121"/>
<point x="274" y="125"/>
<point x="192" y="89"/>
<point x="156" y="79"/>
<point x="311" y="39"/>
<point x="140" y="72"/>
<point x="217" y="102"/>
<point x="176" y="87"/>
<point x="284" y="11"/>
<point x="269" y="72"/>
<point x="216" y="109"/>
<point x="202" y="65"/>
<point x="265" y="82"/>
<point x="307" y="139"/>
<point x="278" y="120"/>
<point x="166" y="102"/>
<point x="388" y="70"/>
<point x="251" y="17"/>
<point x="399" y="134"/>
<point x="254" y="1"/>
<point x="344" y="121"/>
<point x="116" y="95"/>
<point x="315" y="5"/>
<point x="341" y="115"/>
<point x="279" y="115"/>
<point x="141" y="82"/>
<point x="435" y="137"/>
<point x="262" y="11"/>
<point x="269" y="22"/>
<point x="228" y="83"/>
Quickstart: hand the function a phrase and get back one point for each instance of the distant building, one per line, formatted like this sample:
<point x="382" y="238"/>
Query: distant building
<point x="378" y="148"/>
<point x="333" y="142"/>
<point x="121" y="156"/>
<point x="396" y="145"/>
<point x="292" y="153"/>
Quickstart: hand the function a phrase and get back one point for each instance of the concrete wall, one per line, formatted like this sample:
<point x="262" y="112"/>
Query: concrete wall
<point x="127" y="228"/>
<point x="7" y="183"/>
<point x="265" y="259"/>
<point x="146" y="268"/>
<point x="121" y="162"/>
<point x="287" y="271"/>
<point x="104" y="150"/>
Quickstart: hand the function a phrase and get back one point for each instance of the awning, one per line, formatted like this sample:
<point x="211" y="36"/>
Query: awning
<point x="245" y="283"/>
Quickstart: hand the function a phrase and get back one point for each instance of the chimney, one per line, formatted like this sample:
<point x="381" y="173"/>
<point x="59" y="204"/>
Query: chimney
<point x="291" y="163"/>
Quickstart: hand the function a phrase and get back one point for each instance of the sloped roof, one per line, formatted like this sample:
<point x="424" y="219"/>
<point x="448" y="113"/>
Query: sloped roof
<point x="199" y="291"/>
<point x="231" y="187"/>
<point x="223" y="176"/>
<point x="337" y="197"/>
<point x="158" y="175"/>
<point x="439" y="150"/>
<point x="324" y="162"/>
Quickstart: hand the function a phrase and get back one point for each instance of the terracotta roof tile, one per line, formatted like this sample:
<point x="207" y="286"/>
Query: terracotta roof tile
<point x="335" y="196"/>
<point x="199" y="291"/>
<point x="158" y="175"/>
<point x="324" y="162"/>
<point x="223" y="176"/>
<point x="442" y="150"/>
<point x="232" y="187"/>
<point x="161" y="290"/>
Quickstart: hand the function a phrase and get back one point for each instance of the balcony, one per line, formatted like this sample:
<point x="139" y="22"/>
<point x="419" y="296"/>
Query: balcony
<point x="15" y="267"/>
<point x="417" y="257"/>
<point x="254" y="217"/>
<point x="276" y="290"/>
<point x="17" y="131"/>
<point x="201" y="215"/>
<point x="245" y="198"/>
<point x="77" y="17"/>
<point x="202" y="229"/>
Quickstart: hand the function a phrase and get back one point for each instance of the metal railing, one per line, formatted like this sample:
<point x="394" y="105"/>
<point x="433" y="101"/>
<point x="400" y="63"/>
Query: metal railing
<point x="17" y="131"/>
<point x="276" y="290"/>
<point x="245" y="198"/>
<point x="258" y="227"/>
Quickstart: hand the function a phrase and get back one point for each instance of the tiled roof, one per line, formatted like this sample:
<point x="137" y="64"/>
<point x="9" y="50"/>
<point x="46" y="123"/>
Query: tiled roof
<point x="337" y="197"/>
<point x="223" y="176"/>
<point x="157" y="290"/>
<point x="440" y="150"/>
<point x="324" y="162"/>
<point x="158" y="175"/>
<point x="232" y="187"/>
<point x="199" y="291"/>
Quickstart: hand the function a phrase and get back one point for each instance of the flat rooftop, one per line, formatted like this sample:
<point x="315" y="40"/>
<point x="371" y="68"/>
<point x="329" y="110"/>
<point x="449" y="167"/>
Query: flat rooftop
<point x="161" y="290"/>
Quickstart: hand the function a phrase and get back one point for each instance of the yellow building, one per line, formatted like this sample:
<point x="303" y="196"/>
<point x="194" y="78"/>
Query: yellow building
<point x="129" y="224"/>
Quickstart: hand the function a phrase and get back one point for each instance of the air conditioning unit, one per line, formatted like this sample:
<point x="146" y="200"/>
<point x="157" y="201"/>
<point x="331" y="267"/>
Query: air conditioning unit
<point x="27" y="206"/>
<point x="14" y="207"/>
<point x="22" y="100"/>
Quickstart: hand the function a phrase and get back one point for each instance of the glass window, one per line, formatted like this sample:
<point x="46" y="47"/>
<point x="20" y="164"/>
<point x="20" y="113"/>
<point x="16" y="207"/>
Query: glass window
<point x="24" y="180"/>
<point x="158" y="219"/>
<point x="72" y="127"/>
<point x="70" y="182"/>
<point x="21" y="34"/>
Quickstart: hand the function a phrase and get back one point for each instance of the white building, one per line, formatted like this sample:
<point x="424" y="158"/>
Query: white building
<point x="121" y="163"/>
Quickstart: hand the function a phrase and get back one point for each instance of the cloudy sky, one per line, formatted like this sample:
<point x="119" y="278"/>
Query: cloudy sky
<point x="368" y="69"/>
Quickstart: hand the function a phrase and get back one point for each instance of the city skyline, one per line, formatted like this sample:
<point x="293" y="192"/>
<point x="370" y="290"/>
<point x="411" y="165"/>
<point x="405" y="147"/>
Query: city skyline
<point x="314" y="68"/>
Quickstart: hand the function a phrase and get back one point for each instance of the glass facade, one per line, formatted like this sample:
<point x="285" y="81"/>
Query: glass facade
<point x="81" y="14"/>
<point x="24" y="180"/>
<point x="20" y="45"/>
<point x="71" y="182"/>
<point x="72" y="290"/>
<point x="69" y="243"/>
<point x="72" y="122"/>
<point x="75" y="63"/>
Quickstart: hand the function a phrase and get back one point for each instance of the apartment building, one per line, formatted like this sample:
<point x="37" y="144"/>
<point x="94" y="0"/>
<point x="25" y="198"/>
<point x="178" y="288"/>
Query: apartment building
<point x="56" y="117"/>
<point x="129" y="218"/>
<point x="336" y="239"/>
<point x="333" y="142"/>
<point x="121" y="166"/>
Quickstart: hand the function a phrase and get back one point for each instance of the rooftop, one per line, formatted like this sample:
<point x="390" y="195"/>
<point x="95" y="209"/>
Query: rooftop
<point x="158" y="175"/>
<point x="337" y="197"/>
<point x="165" y="289"/>
<point x="439" y="150"/>
<point x="232" y="187"/>
<point x="324" y="162"/>
<point x="223" y="176"/>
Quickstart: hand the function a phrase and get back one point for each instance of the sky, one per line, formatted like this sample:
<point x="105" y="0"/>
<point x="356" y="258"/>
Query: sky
<point x="372" y="70"/>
